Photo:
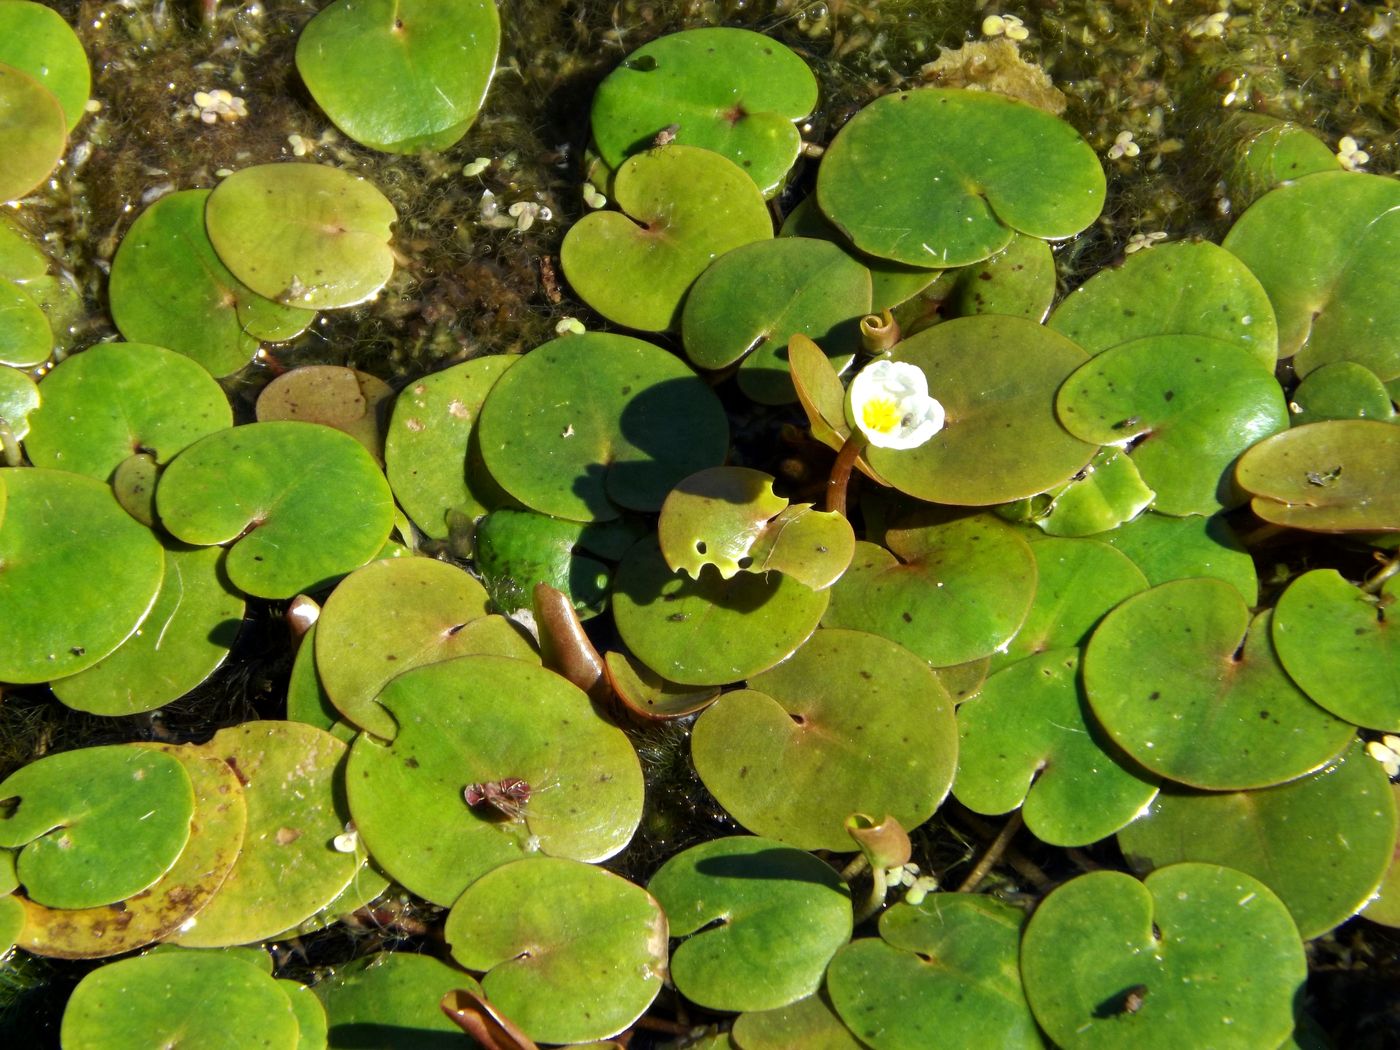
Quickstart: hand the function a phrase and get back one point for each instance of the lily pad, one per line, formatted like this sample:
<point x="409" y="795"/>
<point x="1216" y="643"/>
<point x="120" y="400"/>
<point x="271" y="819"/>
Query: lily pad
<point x="571" y="952"/>
<point x="942" y="973"/>
<point x="1189" y="404"/>
<point x="216" y="837"/>
<point x="1323" y="248"/>
<point x="646" y="694"/>
<point x="115" y="399"/>
<point x="79" y="574"/>
<point x="310" y="1014"/>
<point x="1338" y="643"/>
<point x="187" y="634"/>
<point x="682" y="207"/>
<point x="288" y="869"/>
<point x="35" y="38"/>
<point x="334" y="396"/>
<point x="1183" y="288"/>
<point x="963" y="591"/>
<point x="985" y="166"/>
<point x="54" y="290"/>
<point x="401" y="75"/>
<point x="26" y="340"/>
<point x="996" y="378"/>
<point x="636" y="421"/>
<point x="33" y="132"/>
<point x="19" y="396"/>
<point x="432" y="435"/>
<point x="478" y="720"/>
<point x="791" y="756"/>
<point x="1384" y="908"/>
<point x="1273" y="834"/>
<point x="1269" y="152"/>
<point x="304" y="235"/>
<point x="134" y="484"/>
<point x="751" y="301"/>
<point x="180" y="999"/>
<point x="1167" y="548"/>
<point x="1028" y="740"/>
<point x="1207" y="703"/>
<point x="729" y="517"/>
<point x="758" y="920"/>
<point x="1211" y="953"/>
<point x="1018" y="280"/>
<point x="387" y="618"/>
<point x="709" y="631"/>
<point x="1341" y="390"/>
<point x="731" y="91"/>
<point x="1109" y="492"/>
<point x="389" y="1000"/>
<point x="516" y="549"/>
<point x="811" y="1023"/>
<point x="96" y="825"/>
<point x="1334" y="476"/>
<point x="168" y="287"/>
<point x="299" y="503"/>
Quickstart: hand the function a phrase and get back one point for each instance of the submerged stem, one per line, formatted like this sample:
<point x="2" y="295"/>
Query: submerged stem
<point x="840" y="478"/>
<point x="993" y="854"/>
<point x="1389" y="569"/>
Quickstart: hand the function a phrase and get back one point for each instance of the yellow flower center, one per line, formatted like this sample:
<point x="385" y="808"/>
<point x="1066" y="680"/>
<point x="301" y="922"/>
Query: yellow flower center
<point x="881" y="414"/>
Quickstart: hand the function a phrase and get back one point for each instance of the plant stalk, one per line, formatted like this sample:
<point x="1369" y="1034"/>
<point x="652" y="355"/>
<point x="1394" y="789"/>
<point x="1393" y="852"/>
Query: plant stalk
<point x="993" y="854"/>
<point x="840" y="478"/>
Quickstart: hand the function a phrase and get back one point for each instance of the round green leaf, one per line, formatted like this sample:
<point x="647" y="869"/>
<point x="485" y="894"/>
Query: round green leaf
<point x="682" y="207"/>
<point x="996" y="378"/>
<point x="572" y="952"/>
<point x="731" y="91"/>
<point x="1027" y="739"/>
<point x="648" y="695"/>
<point x="1269" y="152"/>
<point x="33" y="132"/>
<point x="1334" y="476"/>
<point x="516" y="549"/>
<point x="811" y="1023"/>
<point x="334" y="396"/>
<point x="635" y="422"/>
<point x="1191" y="404"/>
<point x="310" y="1015"/>
<point x="962" y="593"/>
<point x="77" y="574"/>
<point x="1077" y="582"/>
<point x="306" y="697"/>
<point x="478" y="720"/>
<point x="115" y="399"/>
<point x="304" y="235"/>
<point x="752" y="300"/>
<point x="134" y="484"/>
<point x="1018" y="280"/>
<point x="1211" y="954"/>
<point x="390" y="1001"/>
<point x="1207" y="702"/>
<point x="19" y="396"/>
<point x="432" y="435"/>
<point x="985" y="166"/>
<point x="293" y="783"/>
<point x="1167" y="548"/>
<point x="1341" y="390"/>
<point x="26" y="340"/>
<point x="96" y="825"/>
<point x="386" y="618"/>
<point x="943" y="973"/>
<point x="1108" y="492"/>
<point x="791" y="756"/>
<point x="216" y="837"/>
<point x="46" y="282"/>
<point x="1277" y="836"/>
<point x="759" y="921"/>
<point x="1183" y="288"/>
<point x="401" y="75"/>
<point x="1384" y="908"/>
<point x="1338" y="643"/>
<point x="1324" y="248"/>
<point x="188" y="632"/>
<point x="300" y="503"/>
<point x="204" y="999"/>
<point x="169" y="288"/>
<point x="710" y="630"/>
<point x="35" y="38"/>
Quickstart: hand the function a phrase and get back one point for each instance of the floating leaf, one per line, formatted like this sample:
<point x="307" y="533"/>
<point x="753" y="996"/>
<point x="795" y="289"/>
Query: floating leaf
<point x="390" y="999"/>
<point x="731" y="91"/>
<point x="636" y="421"/>
<point x="1207" y="703"/>
<point x="1196" y="955"/>
<point x="26" y="340"/>
<point x="19" y="396"/>
<point x="758" y="920"/>
<point x="299" y="503"/>
<point x="646" y="693"/>
<point x="35" y="39"/>
<point x="168" y="287"/>
<point x="401" y="75"/>
<point x="304" y="235"/>
<point x="516" y="549"/>
<point x="1109" y="492"/>
<point x="33" y="132"/>
<point x="811" y="1023"/>
<point x="985" y="166"/>
<point x="571" y="952"/>
<point x="1384" y="908"/>
<point x="1269" y="152"/>
<point x="1018" y="280"/>
<point x="1341" y="390"/>
<point x="791" y="756"/>
<point x="1273" y="835"/>
<point x="334" y="396"/>
<point x="682" y="207"/>
<point x="1167" y="548"/>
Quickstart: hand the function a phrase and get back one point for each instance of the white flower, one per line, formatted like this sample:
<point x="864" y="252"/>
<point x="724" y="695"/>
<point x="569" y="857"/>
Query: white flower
<point x="1386" y="751"/>
<point x="888" y="401"/>
<point x="1123" y="146"/>
<point x="1350" y="154"/>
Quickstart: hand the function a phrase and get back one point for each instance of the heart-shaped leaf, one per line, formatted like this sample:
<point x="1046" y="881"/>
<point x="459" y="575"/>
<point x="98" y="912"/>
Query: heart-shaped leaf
<point x="1167" y="548"/>
<point x="1018" y="280"/>
<point x="26" y="339"/>
<point x="33" y="132"/>
<point x="334" y="396"/>
<point x="36" y="39"/>
<point x="391" y="999"/>
<point x="517" y="549"/>
<point x="19" y="396"/>
<point x="1340" y="390"/>
<point x="1108" y="492"/>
